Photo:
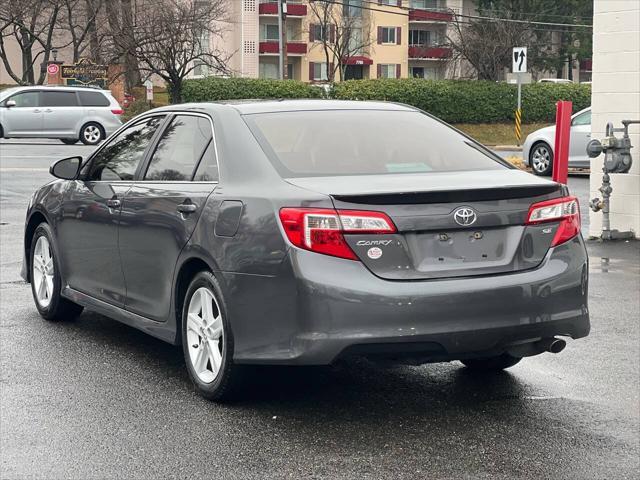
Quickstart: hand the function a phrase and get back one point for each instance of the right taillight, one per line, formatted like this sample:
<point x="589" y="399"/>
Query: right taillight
<point x="322" y="230"/>
<point x="564" y="210"/>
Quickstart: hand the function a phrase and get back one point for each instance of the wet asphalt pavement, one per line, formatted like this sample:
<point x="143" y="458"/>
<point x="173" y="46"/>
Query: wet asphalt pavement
<point x="96" y="399"/>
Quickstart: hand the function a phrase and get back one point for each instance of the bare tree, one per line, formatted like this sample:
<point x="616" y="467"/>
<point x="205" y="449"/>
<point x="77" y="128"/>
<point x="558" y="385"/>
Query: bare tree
<point x="31" y="24"/>
<point x="343" y="31"/>
<point x="122" y="24"/>
<point x="79" y="21"/>
<point x="174" y="37"/>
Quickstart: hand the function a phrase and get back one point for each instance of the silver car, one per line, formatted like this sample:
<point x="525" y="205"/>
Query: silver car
<point x="538" y="148"/>
<point x="67" y="113"/>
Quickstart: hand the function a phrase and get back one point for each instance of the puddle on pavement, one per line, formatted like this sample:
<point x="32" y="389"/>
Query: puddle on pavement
<point x="612" y="265"/>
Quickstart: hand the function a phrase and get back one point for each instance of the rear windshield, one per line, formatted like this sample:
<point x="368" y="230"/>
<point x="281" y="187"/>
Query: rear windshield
<point x="365" y="142"/>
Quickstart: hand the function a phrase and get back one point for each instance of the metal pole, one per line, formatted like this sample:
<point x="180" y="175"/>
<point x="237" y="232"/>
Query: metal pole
<point x="283" y="34"/>
<point x="519" y="110"/>
<point x="280" y="42"/>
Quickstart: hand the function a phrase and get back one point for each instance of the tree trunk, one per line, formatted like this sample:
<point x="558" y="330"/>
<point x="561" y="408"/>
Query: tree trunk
<point x="132" y="69"/>
<point x="174" y="86"/>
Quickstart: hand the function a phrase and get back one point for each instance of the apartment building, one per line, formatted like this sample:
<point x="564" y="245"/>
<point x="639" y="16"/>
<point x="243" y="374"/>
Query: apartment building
<point x="397" y="39"/>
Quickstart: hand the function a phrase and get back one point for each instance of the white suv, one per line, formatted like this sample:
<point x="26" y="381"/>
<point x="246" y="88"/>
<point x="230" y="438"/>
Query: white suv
<point x="67" y="113"/>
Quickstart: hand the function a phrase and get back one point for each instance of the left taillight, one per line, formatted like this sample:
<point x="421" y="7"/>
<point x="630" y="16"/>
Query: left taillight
<point x="565" y="210"/>
<point x="322" y="230"/>
<point x="117" y="111"/>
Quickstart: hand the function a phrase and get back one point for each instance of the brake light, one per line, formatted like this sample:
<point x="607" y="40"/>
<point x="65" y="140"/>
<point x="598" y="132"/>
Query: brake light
<point x="322" y="230"/>
<point x="117" y="111"/>
<point x="565" y="209"/>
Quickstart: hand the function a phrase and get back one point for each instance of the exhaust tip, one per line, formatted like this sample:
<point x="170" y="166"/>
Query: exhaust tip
<point x="556" y="345"/>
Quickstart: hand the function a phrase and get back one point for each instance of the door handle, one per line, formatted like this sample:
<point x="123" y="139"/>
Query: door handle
<point x="37" y="110"/>
<point x="48" y="110"/>
<point x="187" y="208"/>
<point x="113" y="203"/>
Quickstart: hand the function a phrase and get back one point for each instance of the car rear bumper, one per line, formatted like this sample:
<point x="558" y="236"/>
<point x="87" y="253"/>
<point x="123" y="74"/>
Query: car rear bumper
<point x="333" y="308"/>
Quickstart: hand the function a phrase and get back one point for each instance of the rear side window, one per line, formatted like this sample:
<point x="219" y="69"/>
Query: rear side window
<point x="180" y="148"/>
<point x="365" y="142"/>
<point x="58" y="99"/>
<point x="120" y="159"/>
<point x="93" y="99"/>
<point x="208" y="167"/>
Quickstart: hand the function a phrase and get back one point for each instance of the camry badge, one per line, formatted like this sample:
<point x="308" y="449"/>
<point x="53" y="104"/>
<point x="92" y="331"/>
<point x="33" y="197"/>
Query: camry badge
<point x="465" y="216"/>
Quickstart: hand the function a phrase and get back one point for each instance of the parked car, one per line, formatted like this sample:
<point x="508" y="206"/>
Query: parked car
<point x="538" y="147"/>
<point x="555" y="80"/>
<point x="66" y="113"/>
<point x="303" y="232"/>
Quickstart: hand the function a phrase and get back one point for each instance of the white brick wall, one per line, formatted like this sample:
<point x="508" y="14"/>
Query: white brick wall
<point x="616" y="97"/>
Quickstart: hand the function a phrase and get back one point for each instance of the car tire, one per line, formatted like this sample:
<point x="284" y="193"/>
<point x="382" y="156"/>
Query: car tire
<point x="91" y="133"/>
<point x="68" y="141"/>
<point x="207" y="340"/>
<point x="541" y="159"/>
<point x="46" y="282"/>
<point x="499" y="362"/>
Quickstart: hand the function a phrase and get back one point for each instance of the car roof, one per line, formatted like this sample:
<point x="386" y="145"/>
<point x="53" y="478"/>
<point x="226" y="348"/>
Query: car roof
<point x="59" y="87"/>
<point x="248" y="107"/>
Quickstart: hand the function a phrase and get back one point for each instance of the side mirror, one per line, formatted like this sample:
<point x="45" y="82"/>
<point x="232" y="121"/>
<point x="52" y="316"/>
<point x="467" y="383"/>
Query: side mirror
<point x="67" y="168"/>
<point x="10" y="103"/>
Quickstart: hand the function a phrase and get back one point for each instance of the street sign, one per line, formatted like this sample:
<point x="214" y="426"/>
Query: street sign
<point x="53" y="69"/>
<point x="519" y="58"/>
<point x="149" y="88"/>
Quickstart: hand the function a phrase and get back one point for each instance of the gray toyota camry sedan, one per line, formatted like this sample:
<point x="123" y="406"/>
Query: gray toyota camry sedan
<point x="304" y="232"/>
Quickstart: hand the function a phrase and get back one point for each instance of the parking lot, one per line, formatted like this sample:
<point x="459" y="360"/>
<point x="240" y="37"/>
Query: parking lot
<point x="97" y="399"/>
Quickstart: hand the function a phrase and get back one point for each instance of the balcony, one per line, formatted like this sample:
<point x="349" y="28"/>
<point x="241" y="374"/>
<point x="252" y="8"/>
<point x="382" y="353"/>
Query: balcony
<point x="419" y="15"/>
<point x="293" y="9"/>
<point x="436" y="53"/>
<point x="272" y="47"/>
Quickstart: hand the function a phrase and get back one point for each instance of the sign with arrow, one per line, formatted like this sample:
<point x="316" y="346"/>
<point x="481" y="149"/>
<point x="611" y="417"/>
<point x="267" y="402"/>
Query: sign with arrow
<point x="519" y="60"/>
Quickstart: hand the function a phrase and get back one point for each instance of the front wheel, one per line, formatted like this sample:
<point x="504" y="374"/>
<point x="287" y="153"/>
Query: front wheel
<point x="499" y="362"/>
<point x="91" y="134"/>
<point x="207" y="342"/>
<point x="541" y="159"/>
<point x="46" y="281"/>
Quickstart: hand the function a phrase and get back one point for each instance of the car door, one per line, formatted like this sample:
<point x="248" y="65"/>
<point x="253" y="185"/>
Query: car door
<point x="161" y="210"/>
<point x="88" y="231"/>
<point x="580" y="136"/>
<point x="24" y="119"/>
<point x="61" y="112"/>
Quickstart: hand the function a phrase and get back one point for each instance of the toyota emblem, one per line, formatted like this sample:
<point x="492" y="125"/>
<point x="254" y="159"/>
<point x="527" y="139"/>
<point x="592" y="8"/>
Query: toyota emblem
<point x="465" y="216"/>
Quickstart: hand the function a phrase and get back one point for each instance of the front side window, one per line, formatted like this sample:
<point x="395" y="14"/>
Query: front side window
<point x="58" y="99"/>
<point x="365" y="142"/>
<point x="179" y="149"/>
<point x="121" y="157"/>
<point x="26" y="99"/>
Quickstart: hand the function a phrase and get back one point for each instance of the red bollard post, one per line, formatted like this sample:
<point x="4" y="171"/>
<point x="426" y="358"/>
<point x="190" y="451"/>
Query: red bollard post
<point x="563" y="137"/>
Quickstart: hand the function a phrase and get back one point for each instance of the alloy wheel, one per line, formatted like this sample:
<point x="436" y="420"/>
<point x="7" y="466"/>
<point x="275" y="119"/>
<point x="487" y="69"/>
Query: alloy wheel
<point x="541" y="158"/>
<point x="42" y="272"/>
<point x="92" y="134"/>
<point x="205" y="334"/>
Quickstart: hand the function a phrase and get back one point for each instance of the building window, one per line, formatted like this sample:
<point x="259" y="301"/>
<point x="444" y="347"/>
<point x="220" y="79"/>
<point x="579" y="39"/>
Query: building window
<point x="318" y="32"/>
<point x="388" y="35"/>
<point x="419" y="38"/>
<point x="268" y="70"/>
<point x="320" y="71"/>
<point x="393" y="3"/>
<point x="388" y="70"/>
<point x="425" y="4"/>
<point x="424" y="72"/>
<point x="352" y="8"/>
<point x="269" y="32"/>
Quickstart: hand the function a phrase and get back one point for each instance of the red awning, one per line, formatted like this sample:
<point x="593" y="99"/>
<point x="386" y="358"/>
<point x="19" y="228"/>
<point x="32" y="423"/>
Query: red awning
<point x="357" y="60"/>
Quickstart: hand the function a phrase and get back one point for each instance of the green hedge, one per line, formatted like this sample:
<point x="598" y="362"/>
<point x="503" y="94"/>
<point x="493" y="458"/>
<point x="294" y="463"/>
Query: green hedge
<point x="454" y="101"/>
<point x="469" y="101"/>
<point x="215" y="89"/>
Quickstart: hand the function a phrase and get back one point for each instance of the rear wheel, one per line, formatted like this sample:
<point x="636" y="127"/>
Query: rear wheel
<point x="46" y="281"/>
<point x="499" y="362"/>
<point x="207" y="341"/>
<point x="541" y="159"/>
<point x="68" y="141"/>
<point x="91" y="134"/>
